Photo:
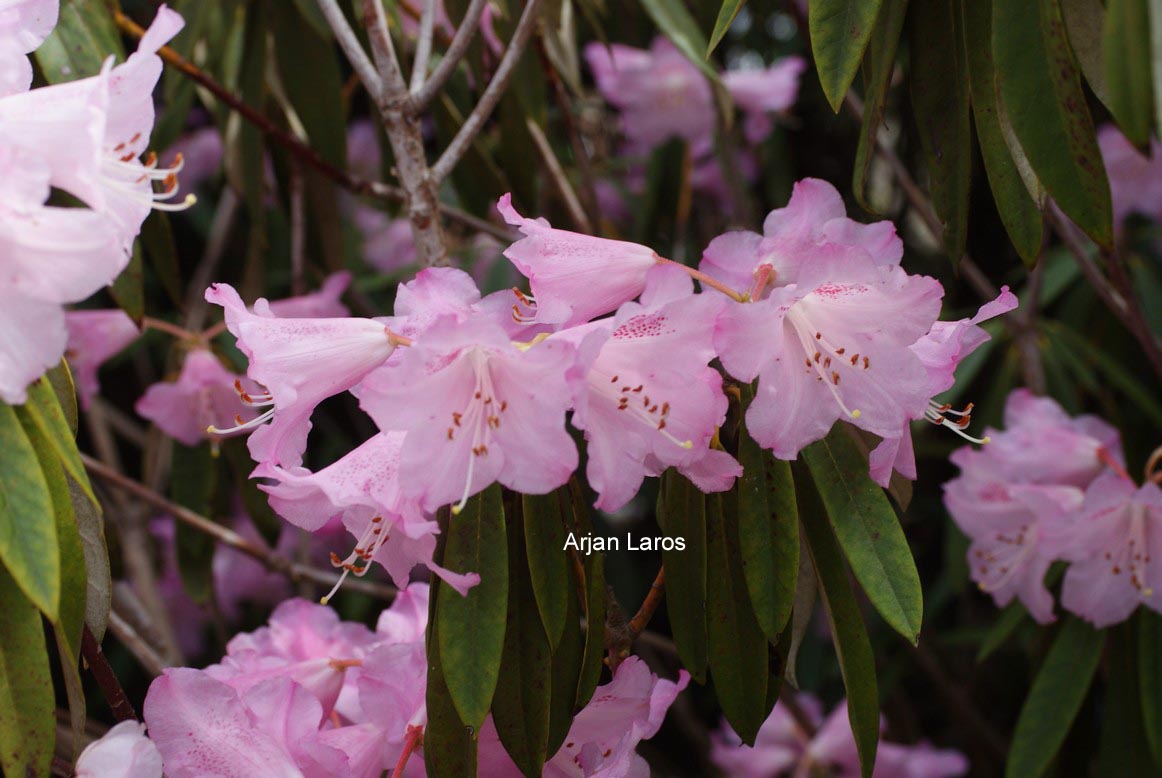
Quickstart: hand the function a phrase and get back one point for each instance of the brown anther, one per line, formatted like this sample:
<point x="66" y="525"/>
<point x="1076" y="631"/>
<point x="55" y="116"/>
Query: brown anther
<point x="854" y="359"/>
<point x="450" y="434"/>
<point x="614" y="380"/>
<point x="639" y="387"/>
<point x="238" y="419"/>
<point x="119" y="146"/>
<point x="335" y="560"/>
<point x="665" y="408"/>
<point x="865" y="364"/>
<point x="504" y="405"/>
<point x="170" y="183"/>
<point x="654" y="409"/>
<point x="827" y="362"/>
<point x="151" y="157"/>
<point x="129" y="158"/>
<point x="662" y="424"/>
<point x="839" y="351"/>
<point x="818" y="335"/>
<point x="835" y="378"/>
<point x="815" y="358"/>
<point x="456" y="418"/>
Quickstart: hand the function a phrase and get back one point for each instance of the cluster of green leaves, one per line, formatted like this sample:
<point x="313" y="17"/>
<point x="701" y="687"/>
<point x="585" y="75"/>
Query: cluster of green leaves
<point x="54" y="568"/>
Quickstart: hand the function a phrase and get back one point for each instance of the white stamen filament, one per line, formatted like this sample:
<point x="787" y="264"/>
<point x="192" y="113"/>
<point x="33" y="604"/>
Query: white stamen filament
<point x="625" y="398"/>
<point x="370" y="541"/>
<point x="814" y="344"/>
<point x="481" y="415"/>
<point x="938" y="414"/>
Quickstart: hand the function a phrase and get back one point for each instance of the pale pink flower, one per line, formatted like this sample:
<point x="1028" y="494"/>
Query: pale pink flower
<point x="364" y="488"/>
<point x="300" y="363"/>
<point x="203" y="396"/>
<point x="650" y="401"/>
<point x="778" y="748"/>
<point x="1115" y="550"/>
<point x="759" y="92"/>
<point x="388" y="243"/>
<point x="24" y="24"/>
<point x="1135" y="180"/>
<point x="322" y="304"/>
<point x="660" y="93"/>
<point x="477" y="409"/>
<point x="575" y="277"/>
<point x="122" y="752"/>
<point x="95" y="336"/>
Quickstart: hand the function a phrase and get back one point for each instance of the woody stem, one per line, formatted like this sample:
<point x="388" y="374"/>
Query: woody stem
<point x="150" y="323"/>
<point x="657" y="593"/>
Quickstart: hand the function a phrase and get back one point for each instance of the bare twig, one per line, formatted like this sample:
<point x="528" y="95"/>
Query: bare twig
<point x="558" y="177"/>
<point x="492" y="93"/>
<point x="106" y="678"/>
<point x="382" y="49"/>
<point x="229" y="537"/>
<point x="423" y="46"/>
<point x="149" y="659"/>
<point x="298" y="231"/>
<point x="351" y="46"/>
<point x="451" y="59"/>
<point x="657" y="593"/>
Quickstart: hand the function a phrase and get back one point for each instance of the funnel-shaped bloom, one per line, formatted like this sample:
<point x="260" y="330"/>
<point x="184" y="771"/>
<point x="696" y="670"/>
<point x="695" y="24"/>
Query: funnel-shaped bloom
<point x="203" y="396"/>
<point x="321" y="304"/>
<point x="24" y="24"/>
<point x="300" y="362"/>
<point x="477" y="409"/>
<point x="649" y="400"/>
<point x="95" y="336"/>
<point x="575" y="277"/>
<point x="123" y="752"/>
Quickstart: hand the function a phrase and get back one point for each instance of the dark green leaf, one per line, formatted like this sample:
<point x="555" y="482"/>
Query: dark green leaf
<point x="1123" y="749"/>
<point x="128" y="289"/>
<point x="856" y="661"/>
<point x="726" y="14"/>
<point x="737" y="646"/>
<point x="1083" y="23"/>
<point x="593" y="565"/>
<point x="193" y="481"/>
<point x="867" y="528"/>
<point x="520" y="706"/>
<point x="61" y="379"/>
<point x="27" y="724"/>
<point x="1044" y="101"/>
<point x="1150" y="677"/>
<point x="314" y="85"/>
<point x="840" y="30"/>
<point x="98" y="581"/>
<point x="162" y="252"/>
<point x="83" y="37"/>
<point x="45" y="412"/>
<point x="544" y="531"/>
<point x="472" y="626"/>
<point x="1006" y="624"/>
<point x="449" y="744"/>
<point x="682" y="514"/>
<point x="567" y="656"/>
<point x="939" y="81"/>
<point x="676" y="23"/>
<point x="768" y="530"/>
<point x="1053" y="702"/>
<point x="879" y="63"/>
<point x="28" y="542"/>
<point x="254" y="500"/>
<point x="1020" y="214"/>
<point x="1126" y="49"/>
<point x="806" y="590"/>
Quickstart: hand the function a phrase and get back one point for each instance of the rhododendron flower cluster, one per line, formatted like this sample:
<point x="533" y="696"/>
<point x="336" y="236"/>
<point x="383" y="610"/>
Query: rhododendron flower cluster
<point x="310" y="695"/>
<point x="786" y="747"/>
<point x="1051" y="488"/>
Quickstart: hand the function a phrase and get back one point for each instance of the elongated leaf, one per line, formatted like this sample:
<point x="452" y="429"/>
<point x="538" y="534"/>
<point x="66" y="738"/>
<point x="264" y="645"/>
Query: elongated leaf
<point x="314" y="85"/>
<point x="676" y="23"/>
<point x="840" y="30"/>
<point x="472" y="626"/>
<point x="567" y="657"/>
<point x="939" y="82"/>
<point x="1006" y="624"/>
<point x="520" y="706"/>
<point x="1150" y="677"/>
<point x="193" y="482"/>
<point x="83" y="37"/>
<point x="867" y="528"/>
<point x="98" y="579"/>
<point x="879" y="63"/>
<point x="806" y="591"/>
<point x="128" y="289"/>
<point x="593" y="565"/>
<point x="856" y="661"/>
<point x="726" y="14"/>
<point x="768" y="530"/>
<point x="28" y="542"/>
<point x="1126" y="50"/>
<point x="26" y="696"/>
<point x="1044" y="101"/>
<point x="45" y="412"/>
<point x="548" y="565"/>
<point x="157" y="241"/>
<point x="1083" y="23"/>
<point x="61" y="380"/>
<point x="737" y="646"/>
<point x="1123" y="749"/>
<point x="1020" y="214"/>
<point x="682" y="514"/>
<point x="1053" y="702"/>
<point x="449" y="744"/>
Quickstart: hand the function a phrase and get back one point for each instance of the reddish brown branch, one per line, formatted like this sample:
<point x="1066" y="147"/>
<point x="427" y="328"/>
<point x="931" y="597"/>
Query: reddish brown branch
<point x="103" y="672"/>
<point x="637" y="625"/>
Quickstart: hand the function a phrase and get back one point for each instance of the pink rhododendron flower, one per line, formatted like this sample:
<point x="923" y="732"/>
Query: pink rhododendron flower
<point x="24" y="24"/>
<point x="763" y="91"/>
<point x="649" y="400"/>
<point x="364" y="488"/>
<point x="300" y="362"/>
<point x="203" y="397"/>
<point x="477" y="409"/>
<point x="660" y="93"/>
<point x="1115" y="550"/>
<point x="94" y="336"/>
<point x="1135" y="180"/>
<point x="605" y="733"/>
<point x="575" y="277"/>
<point x="322" y="304"/>
<point x="122" y="752"/>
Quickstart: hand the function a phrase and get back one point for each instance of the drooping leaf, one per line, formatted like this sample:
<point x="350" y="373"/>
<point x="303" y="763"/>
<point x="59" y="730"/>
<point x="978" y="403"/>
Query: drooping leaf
<point x="61" y="380"/>
<point x="879" y="63"/>
<point x="1041" y="91"/>
<point x="1053" y="702"/>
<point x="449" y="743"/>
<point x="869" y="532"/>
<point x="520" y="706"/>
<point x="737" y="645"/>
<point x="681" y="513"/>
<point x="128" y="289"/>
<point x="161" y="250"/>
<point x="28" y="541"/>
<point x="1127" y="63"/>
<point x="98" y="579"/>
<point x="567" y="656"/>
<point x="840" y="30"/>
<point x="856" y="660"/>
<point x="939" y="81"/>
<point x="26" y="696"/>
<point x="82" y="39"/>
<point x="313" y="82"/>
<point x="1083" y="24"/>
<point x="193" y="482"/>
<point x="1005" y="625"/>
<point x="45" y="412"/>
<point x="1020" y="214"/>
<point x="472" y="626"/>
<point x="1150" y="677"/>
<point x="1123" y="749"/>
<point x="548" y="566"/>
<point x="726" y="14"/>
<point x="593" y="566"/>
<point x="806" y="591"/>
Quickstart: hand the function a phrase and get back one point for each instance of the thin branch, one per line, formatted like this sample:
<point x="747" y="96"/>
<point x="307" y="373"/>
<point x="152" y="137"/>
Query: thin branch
<point x="558" y="177"/>
<point x="657" y="593"/>
<point x="423" y="46"/>
<point x="492" y="93"/>
<point x="351" y="46"/>
<point x="451" y="59"/>
<point x="103" y="672"/>
<point x="229" y="537"/>
<point x="392" y="86"/>
<point x="149" y="659"/>
<point x="298" y="231"/>
<point x="960" y="706"/>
